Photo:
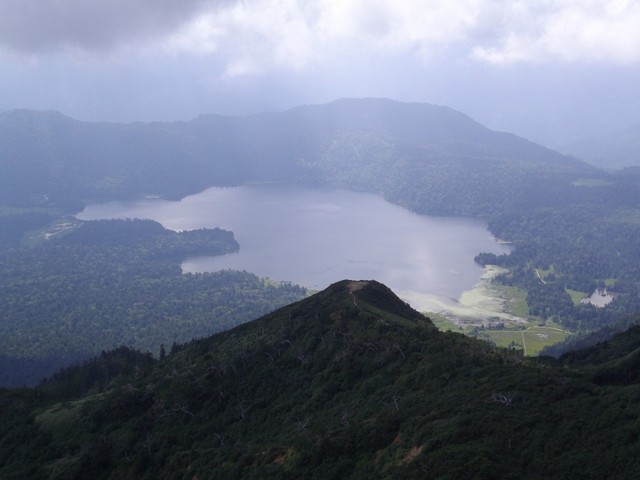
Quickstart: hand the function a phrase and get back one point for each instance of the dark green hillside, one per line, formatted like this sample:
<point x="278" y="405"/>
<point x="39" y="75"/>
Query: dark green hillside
<point x="118" y="282"/>
<point x="349" y="383"/>
<point x="578" y="246"/>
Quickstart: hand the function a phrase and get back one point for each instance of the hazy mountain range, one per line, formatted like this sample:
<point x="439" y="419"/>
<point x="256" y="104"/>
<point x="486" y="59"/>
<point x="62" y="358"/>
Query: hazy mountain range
<point x="47" y="158"/>
<point x="612" y="150"/>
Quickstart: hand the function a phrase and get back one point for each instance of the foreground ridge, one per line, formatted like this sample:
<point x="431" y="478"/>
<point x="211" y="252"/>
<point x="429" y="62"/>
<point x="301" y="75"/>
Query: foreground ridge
<point x="347" y="383"/>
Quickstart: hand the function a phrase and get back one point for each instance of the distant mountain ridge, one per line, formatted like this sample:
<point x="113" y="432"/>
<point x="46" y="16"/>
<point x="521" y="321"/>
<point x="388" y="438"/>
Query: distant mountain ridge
<point x="47" y="158"/>
<point x="421" y="125"/>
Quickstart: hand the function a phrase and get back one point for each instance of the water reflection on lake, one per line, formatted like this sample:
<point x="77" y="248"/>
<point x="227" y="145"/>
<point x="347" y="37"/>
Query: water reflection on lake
<point x="316" y="236"/>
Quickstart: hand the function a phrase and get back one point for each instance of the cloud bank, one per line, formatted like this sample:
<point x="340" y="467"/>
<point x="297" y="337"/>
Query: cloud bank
<point x="258" y="35"/>
<point x="43" y="26"/>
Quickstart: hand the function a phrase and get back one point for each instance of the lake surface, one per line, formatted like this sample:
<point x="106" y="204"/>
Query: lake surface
<point x="317" y="236"/>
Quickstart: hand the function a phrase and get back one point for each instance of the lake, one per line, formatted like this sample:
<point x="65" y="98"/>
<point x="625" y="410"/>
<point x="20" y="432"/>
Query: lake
<point x="317" y="236"/>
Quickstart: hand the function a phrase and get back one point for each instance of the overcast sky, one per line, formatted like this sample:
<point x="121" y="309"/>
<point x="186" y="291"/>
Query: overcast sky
<point x="547" y="69"/>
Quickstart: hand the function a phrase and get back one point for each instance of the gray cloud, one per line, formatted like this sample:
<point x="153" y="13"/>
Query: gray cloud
<point x="254" y="38"/>
<point x="41" y="26"/>
<point x="258" y="35"/>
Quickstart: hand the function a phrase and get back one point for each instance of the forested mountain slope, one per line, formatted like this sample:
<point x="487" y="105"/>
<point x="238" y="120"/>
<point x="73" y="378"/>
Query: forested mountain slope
<point x="47" y="158"/>
<point x="349" y="383"/>
<point x="117" y="282"/>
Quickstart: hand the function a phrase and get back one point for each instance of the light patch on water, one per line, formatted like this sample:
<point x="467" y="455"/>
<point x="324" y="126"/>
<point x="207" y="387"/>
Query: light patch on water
<point x="481" y="305"/>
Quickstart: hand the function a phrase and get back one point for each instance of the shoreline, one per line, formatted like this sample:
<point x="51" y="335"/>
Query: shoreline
<point x="482" y="305"/>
